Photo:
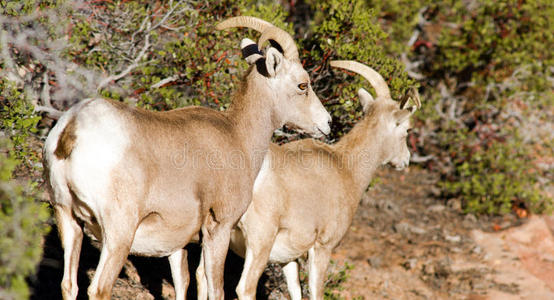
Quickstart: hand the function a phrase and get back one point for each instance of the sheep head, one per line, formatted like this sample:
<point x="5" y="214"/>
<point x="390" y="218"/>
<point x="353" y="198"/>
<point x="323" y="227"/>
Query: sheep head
<point x="391" y="118"/>
<point x="278" y="70"/>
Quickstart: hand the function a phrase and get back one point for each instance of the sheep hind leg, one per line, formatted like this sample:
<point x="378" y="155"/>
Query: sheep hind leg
<point x="71" y="236"/>
<point x="259" y="242"/>
<point x="117" y="238"/>
<point x="201" y="281"/>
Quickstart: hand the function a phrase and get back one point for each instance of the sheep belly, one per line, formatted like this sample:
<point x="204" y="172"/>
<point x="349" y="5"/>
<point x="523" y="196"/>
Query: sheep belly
<point x="282" y="252"/>
<point x="154" y="237"/>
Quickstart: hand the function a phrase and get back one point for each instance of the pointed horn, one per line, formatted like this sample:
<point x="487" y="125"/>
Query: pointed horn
<point x="285" y="41"/>
<point x="413" y="94"/>
<point x="415" y="97"/>
<point x="244" y="21"/>
<point x="374" y="78"/>
<point x="404" y="99"/>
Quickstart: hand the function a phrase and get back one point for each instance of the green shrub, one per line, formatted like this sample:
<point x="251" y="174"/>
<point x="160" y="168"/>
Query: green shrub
<point x="206" y="64"/>
<point x="336" y="279"/>
<point x="22" y="226"/>
<point x="348" y="32"/>
<point x="19" y="122"/>
<point x="494" y="179"/>
<point x="483" y="63"/>
<point x="22" y="217"/>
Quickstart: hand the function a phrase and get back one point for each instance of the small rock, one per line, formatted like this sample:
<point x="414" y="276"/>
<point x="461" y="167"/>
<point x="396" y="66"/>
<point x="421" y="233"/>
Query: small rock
<point x="410" y="264"/>
<point x="435" y="191"/>
<point x="428" y="269"/>
<point x="375" y="261"/>
<point x="436" y="208"/>
<point x="411" y="211"/>
<point x="455" y="204"/>
<point x="131" y="272"/>
<point x="443" y="268"/>
<point x="417" y="230"/>
<point x="469" y="220"/>
<point x="388" y="206"/>
<point x="452" y="238"/>
<point x="405" y="228"/>
<point x="402" y="228"/>
<point x="368" y="201"/>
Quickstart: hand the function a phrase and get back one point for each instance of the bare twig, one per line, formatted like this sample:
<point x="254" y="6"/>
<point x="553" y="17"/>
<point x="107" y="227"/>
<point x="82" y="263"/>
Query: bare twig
<point x="45" y="97"/>
<point x="164" y="81"/>
<point x="129" y="68"/>
<point x="52" y="112"/>
<point x="164" y="18"/>
<point x="416" y="158"/>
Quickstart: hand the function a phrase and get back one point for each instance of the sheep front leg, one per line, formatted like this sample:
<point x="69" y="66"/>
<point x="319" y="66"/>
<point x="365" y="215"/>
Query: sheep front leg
<point x="293" y="283"/>
<point x="215" y="243"/>
<point x="180" y="273"/>
<point x="318" y="259"/>
<point x="71" y="237"/>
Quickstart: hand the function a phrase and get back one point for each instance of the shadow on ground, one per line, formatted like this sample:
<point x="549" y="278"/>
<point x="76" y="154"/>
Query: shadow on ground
<point x="150" y="278"/>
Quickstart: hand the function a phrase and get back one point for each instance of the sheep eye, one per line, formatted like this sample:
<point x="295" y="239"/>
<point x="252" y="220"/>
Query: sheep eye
<point x="303" y="86"/>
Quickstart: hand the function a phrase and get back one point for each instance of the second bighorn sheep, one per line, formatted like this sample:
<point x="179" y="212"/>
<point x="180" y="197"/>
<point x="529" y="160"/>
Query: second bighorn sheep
<point x="307" y="192"/>
<point x="147" y="182"/>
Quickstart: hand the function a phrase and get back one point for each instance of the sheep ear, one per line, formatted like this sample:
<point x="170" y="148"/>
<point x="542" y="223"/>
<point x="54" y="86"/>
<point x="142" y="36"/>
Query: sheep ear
<point x="269" y="65"/>
<point x="273" y="61"/>
<point x="365" y="99"/>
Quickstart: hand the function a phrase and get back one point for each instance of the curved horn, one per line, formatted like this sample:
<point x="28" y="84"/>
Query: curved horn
<point x="244" y="21"/>
<point x="283" y="38"/>
<point x="374" y="78"/>
<point x="268" y="30"/>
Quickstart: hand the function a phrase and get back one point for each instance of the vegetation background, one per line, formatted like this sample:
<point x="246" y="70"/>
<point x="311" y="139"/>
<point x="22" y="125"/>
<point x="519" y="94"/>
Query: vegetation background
<point x="484" y="70"/>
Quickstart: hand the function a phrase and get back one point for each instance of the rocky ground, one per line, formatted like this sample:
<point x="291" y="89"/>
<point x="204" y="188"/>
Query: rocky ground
<point x="407" y="244"/>
<point x="404" y="243"/>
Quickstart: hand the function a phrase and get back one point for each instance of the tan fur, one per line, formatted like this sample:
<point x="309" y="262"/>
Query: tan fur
<point x="184" y="171"/>
<point x="307" y="199"/>
<point x="66" y="141"/>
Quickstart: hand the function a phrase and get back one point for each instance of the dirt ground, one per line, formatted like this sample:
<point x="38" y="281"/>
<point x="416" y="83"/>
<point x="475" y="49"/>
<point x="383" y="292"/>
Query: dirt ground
<point x="404" y="243"/>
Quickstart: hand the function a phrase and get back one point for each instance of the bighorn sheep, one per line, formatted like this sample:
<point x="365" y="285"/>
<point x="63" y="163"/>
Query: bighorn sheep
<point x="147" y="182"/>
<point x="307" y="192"/>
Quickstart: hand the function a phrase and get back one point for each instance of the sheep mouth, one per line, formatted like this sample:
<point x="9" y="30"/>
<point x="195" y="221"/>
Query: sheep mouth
<point x="315" y="131"/>
<point x="321" y="133"/>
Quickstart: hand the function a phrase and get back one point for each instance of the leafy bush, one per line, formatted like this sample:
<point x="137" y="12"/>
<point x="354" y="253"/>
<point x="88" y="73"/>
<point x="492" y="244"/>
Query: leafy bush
<point x="506" y="182"/>
<point x="336" y="279"/>
<point x="484" y="68"/>
<point x="202" y="66"/>
<point x="22" y="226"/>
<point x="22" y="217"/>
<point x="19" y="122"/>
<point x="347" y="32"/>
